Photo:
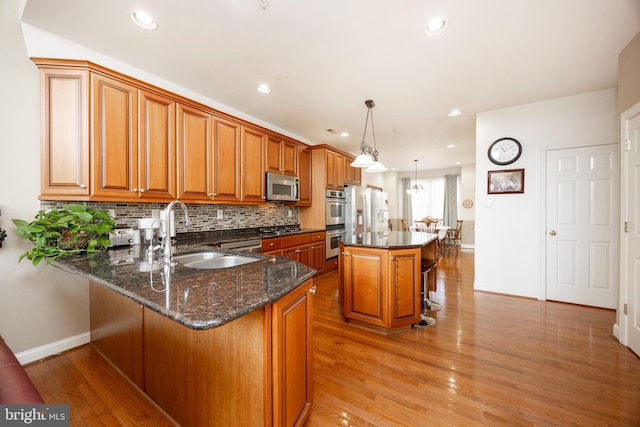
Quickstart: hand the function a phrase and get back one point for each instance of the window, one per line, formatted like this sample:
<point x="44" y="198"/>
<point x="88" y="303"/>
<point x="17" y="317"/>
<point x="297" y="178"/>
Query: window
<point x="429" y="202"/>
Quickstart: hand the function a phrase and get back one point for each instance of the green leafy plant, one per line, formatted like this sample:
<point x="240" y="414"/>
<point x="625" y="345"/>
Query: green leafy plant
<point x="59" y="232"/>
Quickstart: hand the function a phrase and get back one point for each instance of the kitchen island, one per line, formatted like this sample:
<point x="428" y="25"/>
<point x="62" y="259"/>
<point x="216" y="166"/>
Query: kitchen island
<point x="380" y="278"/>
<point x="218" y="347"/>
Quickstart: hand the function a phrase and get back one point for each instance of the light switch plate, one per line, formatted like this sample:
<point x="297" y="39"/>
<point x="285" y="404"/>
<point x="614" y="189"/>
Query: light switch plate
<point x="220" y="214"/>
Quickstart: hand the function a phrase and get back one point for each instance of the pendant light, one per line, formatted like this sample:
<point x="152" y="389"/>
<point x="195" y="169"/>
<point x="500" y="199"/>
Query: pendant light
<point x="416" y="188"/>
<point x="369" y="156"/>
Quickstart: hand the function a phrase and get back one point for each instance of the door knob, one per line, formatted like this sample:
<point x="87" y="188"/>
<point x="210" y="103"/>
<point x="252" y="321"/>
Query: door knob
<point x="552" y="233"/>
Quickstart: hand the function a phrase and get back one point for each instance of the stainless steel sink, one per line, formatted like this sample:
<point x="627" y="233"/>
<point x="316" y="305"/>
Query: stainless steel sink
<point x="212" y="260"/>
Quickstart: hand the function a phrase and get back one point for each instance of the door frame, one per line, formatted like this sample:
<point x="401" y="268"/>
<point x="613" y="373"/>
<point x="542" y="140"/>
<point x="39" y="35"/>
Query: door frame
<point x="621" y="327"/>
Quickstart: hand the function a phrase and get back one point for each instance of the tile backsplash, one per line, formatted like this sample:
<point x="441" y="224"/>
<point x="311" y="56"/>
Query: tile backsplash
<point x="203" y="217"/>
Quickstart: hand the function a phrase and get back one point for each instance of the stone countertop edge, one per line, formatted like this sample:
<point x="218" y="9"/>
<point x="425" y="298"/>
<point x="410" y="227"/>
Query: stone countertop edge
<point x="224" y="284"/>
<point x="392" y="240"/>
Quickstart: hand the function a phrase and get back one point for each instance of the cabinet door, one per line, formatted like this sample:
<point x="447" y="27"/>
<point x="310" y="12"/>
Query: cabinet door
<point x="157" y="147"/>
<point x="365" y="284"/>
<point x="115" y="133"/>
<point x="65" y="132"/>
<point x="274" y="155"/>
<point x="289" y="156"/>
<point x="226" y="160"/>
<point x="334" y="170"/>
<point x="404" y="284"/>
<point x="194" y="154"/>
<point x="352" y="176"/>
<point x="304" y="175"/>
<point x="281" y="155"/>
<point x="252" y="154"/>
<point x="304" y="254"/>
<point x="292" y="318"/>
<point x="318" y="256"/>
<point x="291" y="253"/>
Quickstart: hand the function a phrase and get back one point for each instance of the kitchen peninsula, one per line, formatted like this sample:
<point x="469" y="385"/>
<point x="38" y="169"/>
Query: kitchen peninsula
<point x="217" y="347"/>
<point x="380" y="278"/>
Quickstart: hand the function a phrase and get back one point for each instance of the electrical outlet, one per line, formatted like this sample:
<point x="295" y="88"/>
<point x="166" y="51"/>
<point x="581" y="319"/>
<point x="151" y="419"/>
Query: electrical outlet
<point x="290" y="213"/>
<point x="220" y="214"/>
<point x="112" y="213"/>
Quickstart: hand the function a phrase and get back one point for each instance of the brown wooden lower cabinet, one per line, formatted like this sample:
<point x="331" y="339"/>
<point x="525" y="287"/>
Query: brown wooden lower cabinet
<point x="253" y="371"/>
<point x="306" y="248"/>
<point x="380" y="287"/>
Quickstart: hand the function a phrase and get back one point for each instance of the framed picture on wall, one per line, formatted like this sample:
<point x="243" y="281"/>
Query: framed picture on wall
<point x="505" y="181"/>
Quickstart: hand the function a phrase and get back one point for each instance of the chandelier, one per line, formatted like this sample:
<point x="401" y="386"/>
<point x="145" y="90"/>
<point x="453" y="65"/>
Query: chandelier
<point x="416" y="188"/>
<point x="369" y="156"/>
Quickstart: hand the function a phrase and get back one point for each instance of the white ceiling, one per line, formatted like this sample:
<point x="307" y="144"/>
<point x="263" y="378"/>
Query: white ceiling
<point x="325" y="58"/>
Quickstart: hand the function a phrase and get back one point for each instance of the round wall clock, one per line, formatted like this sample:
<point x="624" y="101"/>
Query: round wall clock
<point x="504" y="151"/>
<point x="467" y="203"/>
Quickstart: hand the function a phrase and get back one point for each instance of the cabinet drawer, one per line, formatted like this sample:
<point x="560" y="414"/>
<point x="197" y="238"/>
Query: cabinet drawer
<point x="296" y="240"/>
<point x="317" y="237"/>
<point x="271" y="244"/>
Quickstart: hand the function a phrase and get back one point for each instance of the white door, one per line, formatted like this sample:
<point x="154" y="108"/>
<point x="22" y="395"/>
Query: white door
<point x="631" y="238"/>
<point x="582" y="225"/>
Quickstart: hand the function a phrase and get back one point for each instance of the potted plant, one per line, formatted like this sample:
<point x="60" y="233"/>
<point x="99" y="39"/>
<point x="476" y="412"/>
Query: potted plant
<point x="57" y="232"/>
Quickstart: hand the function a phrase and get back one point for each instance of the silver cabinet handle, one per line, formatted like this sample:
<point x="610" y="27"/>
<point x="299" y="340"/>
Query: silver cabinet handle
<point x="345" y="253"/>
<point x="82" y="186"/>
<point x="312" y="291"/>
<point x="142" y="190"/>
<point x="552" y="233"/>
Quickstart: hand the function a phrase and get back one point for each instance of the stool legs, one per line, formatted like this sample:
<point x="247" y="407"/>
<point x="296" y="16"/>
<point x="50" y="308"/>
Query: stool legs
<point x="425" y="319"/>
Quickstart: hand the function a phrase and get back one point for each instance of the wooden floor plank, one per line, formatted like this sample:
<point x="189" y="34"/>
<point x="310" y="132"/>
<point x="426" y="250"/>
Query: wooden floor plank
<point x="491" y="360"/>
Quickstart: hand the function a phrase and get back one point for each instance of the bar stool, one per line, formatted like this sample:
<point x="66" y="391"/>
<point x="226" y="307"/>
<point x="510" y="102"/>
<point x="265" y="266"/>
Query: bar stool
<point x="426" y="266"/>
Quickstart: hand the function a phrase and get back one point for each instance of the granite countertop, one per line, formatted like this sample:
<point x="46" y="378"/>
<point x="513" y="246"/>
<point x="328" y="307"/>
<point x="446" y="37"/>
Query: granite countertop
<point x="196" y="298"/>
<point x="392" y="240"/>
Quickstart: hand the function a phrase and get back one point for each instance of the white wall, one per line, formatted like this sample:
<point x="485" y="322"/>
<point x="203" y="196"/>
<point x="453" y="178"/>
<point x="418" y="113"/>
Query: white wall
<point x="510" y="229"/>
<point x="42" y="305"/>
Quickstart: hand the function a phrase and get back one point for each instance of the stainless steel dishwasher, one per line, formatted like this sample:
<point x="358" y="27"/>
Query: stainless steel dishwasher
<point x="254" y="245"/>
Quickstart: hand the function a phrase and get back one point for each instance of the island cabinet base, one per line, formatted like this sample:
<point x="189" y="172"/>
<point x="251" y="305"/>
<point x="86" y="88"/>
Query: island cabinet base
<point x="380" y="288"/>
<point x="252" y="371"/>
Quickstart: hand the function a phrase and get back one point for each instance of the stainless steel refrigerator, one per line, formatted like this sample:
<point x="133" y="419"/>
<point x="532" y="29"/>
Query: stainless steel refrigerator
<point x="366" y="211"/>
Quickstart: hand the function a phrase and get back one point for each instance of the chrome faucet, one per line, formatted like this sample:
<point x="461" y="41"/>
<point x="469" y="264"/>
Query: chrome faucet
<point x="167" y="257"/>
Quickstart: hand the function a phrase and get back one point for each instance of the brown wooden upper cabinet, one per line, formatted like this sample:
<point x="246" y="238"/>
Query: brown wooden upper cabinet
<point x="281" y="156"/>
<point x="127" y="164"/>
<point x="109" y="137"/>
<point x="352" y="176"/>
<point x="195" y="166"/>
<point x="334" y="170"/>
<point x="252" y="155"/>
<point x="208" y="157"/>
<point x="304" y="175"/>
<point x="65" y="133"/>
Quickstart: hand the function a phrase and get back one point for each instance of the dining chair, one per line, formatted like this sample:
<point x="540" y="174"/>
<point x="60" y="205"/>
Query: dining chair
<point x="454" y="235"/>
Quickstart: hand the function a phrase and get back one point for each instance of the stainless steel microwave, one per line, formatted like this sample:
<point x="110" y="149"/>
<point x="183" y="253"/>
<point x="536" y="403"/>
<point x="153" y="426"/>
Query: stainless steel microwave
<point x="282" y="188"/>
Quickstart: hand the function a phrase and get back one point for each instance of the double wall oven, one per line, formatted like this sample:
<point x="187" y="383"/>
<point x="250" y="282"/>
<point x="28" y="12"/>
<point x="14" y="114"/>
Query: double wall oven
<point x="336" y="203"/>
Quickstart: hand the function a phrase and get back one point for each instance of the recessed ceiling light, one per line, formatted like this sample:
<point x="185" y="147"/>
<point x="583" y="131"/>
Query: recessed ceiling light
<point x="454" y="113"/>
<point x="144" y="20"/>
<point x="450" y="146"/>
<point x="344" y="134"/>
<point x="435" y="26"/>
<point x="264" y="88"/>
<point x="457" y="163"/>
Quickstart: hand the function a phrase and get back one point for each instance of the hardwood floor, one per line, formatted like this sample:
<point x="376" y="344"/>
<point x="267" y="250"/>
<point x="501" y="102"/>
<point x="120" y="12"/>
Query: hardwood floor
<point x="490" y="360"/>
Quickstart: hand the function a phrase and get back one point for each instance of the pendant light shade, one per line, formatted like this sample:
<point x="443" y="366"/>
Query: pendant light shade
<point x="369" y="156"/>
<point x="362" y="161"/>
<point x="376" y="167"/>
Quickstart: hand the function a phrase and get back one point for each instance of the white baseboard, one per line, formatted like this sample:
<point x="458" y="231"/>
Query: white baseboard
<point x="53" y="348"/>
